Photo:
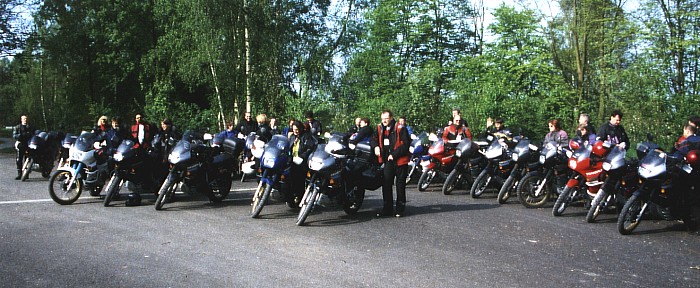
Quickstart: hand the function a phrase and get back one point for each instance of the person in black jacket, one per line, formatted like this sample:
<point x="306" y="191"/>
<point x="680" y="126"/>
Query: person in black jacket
<point x="314" y="125"/>
<point x="363" y="132"/>
<point x="391" y="142"/>
<point x="246" y="126"/>
<point x="302" y="143"/>
<point x="614" y="132"/>
<point x="22" y="133"/>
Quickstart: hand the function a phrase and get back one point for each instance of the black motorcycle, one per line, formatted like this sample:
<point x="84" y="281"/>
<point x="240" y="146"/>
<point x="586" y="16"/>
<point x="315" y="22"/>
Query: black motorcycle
<point x="469" y="164"/>
<point x="621" y="180"/>
<point x="199" y="168"/>
<point x="274" y="168"/>
<point x="133" y="165"/>
<point x="42" y="150"/>
<point x="538" y="186"/>
<point x="500" y="164"/>
<point x="526" y="160"/>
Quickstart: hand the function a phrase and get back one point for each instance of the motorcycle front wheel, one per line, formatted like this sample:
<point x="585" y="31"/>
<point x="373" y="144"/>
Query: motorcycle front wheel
<point x="504" y="193"/>
<point x="530" y="192"/>
<point x="630" y="216"/>
<point x="562" y="201"/>
<point x="596" y="206"/>
<point x="113" y="187"/>
<point x="166" y="191"/>
<point x="450" y="182"/>
<point x="59" y="188"/>
<point x="425" y="179"/>
<point x="27" y="168"/>
<point x="480" y="184"/>
<point x="307" y="203"/>
<point x="260" y="197"/>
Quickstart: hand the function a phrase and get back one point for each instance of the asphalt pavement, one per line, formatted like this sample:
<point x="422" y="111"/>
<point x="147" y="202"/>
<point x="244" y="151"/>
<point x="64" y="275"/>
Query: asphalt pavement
<point x="444" y="241"/>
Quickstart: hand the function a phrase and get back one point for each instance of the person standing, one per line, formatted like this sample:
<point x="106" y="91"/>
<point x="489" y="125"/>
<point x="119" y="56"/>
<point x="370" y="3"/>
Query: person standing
<point x="141" y="132"/>
<point x="584" y="119"/>
<point x="101" y="127"/>
<point x="556" y="134"/>
<point x="302" y="144"/>
<point x="22" y="133"/>
<point x="391" y="143"/>
<point x="273" y="126"/>
<point x="316" y="128"/>
<point x="613" y="131"/>
<point x="247" y="126"/>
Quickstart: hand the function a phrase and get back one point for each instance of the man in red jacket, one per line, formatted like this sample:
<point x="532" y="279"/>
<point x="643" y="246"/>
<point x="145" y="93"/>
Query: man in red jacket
<point x="141" y="132"/>
<point x="391" y="142"/>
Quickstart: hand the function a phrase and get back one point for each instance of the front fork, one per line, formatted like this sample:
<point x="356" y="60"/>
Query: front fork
<point x="308" y="191"/>
<point x="75" y="173"/>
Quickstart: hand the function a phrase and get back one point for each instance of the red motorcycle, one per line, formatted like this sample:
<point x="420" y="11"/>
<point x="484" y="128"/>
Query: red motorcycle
<point x="588" y="175"/>
<point x="440" y="162"/>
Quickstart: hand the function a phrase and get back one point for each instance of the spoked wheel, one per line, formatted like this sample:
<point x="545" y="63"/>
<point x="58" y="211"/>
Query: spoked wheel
<point x="61" y="189"/>
<point x="354" y="196"/>
<point x="113" y="187"/>
<point x="425" y="179"/>
<point x="260" y="197"/>
<point x="166" y="191"/>
<point x="597" y="205"/>
<point x="480" y="184"/>
<point x="27" y="168"/>
<point x="563" y="201"/>
<point x="533" y="191"/>
<point x="504" y="193"/>
<point x="451" y="182"/>
<point x="307" y="202"/>
<point x="630" y="216"/>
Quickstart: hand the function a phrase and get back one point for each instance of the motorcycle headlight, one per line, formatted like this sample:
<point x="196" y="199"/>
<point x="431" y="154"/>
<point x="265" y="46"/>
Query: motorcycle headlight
<point x="411" y="149"/>
<point x="118" y="157"/>
<point x="458" y="153"/>
<point x="542" y="159"/>
<point x="315" y="165"/>
<point x="257" y="152"/>
<point x="516" y="157"/>
<point x="174" y="158"/>
<point x="32" y="146"/>
<point x="269" y="163"/>
<point x="572" y="164"/>
<point x="533" y="147"/>
<point x="607" y="166"/>
<point x="569" y="153"/>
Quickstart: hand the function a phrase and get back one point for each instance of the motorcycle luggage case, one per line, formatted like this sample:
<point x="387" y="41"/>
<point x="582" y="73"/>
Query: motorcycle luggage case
<point x="373" y="178"/>
<point x="233" y="146"/>
<point x="364" y="151"/>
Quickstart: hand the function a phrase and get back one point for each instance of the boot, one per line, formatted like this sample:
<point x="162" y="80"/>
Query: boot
<point x="19" y="174"/>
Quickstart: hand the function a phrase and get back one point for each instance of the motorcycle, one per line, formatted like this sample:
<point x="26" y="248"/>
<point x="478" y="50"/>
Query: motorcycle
<point x="274" y="168"/>
<point x="63" y="152"/>
<point x="468" y="167"/>
<point x="620" y="182"/>
<point x="130" y="164"/>
<point x="526" y="160"/>
<point x="200" y="168"/>
<point x="540" y="185"/>
<point x="586" y="162"/>
<point x="418" y="149"/>
<point x="498" y="168"/>
<point x="329" y="175"/>
<point x="439" y="162"/>
<point x="41" y="153"/>
<point x="86" y="170"/>
<point x="659" y="174"/>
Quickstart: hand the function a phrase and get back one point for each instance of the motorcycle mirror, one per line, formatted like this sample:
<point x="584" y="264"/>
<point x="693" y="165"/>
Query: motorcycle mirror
<point x="432" y="137"/>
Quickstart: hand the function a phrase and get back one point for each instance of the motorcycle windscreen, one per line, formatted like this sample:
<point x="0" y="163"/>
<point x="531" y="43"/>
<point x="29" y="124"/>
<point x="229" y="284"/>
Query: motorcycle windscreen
<point x="522" y="148"/>
<point x="85" y="141"/>
<point x="615" y="159"/>
<point x="279" y="142"/>
<point x="495" y="150"/>
<point x="181" y="153"/>
<point x="653" y="165"/>
<point x="437" y="147"/>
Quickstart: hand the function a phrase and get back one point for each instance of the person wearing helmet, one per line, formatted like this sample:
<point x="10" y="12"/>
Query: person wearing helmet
<point x="22" y="133"/>
<point x="613" y="131"/>
<point x="556" y="134"/>
<point x="302" y="144"/>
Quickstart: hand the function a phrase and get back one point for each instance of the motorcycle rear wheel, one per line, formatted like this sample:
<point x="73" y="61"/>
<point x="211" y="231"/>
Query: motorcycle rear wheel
<point x="528" y="186"/>
<point x="59" y="190"/>
<point x="450" y="182"/>
<point x="113" y="187"/>
<point x="165" y="192"/>
<point x="307" y="203"/>
<point x="480" y="184"/>
<point x="596" y="206"/>
<point x="27" y="168"/>
<point x="259" y="198"/>
<point x="353" y="200"/>
<point x="218" y="195"/>
<point x="504" y="193"/>
<point x="425" y="178"/>
<point x="562" y="201"/>
<point x="630" y="216"/>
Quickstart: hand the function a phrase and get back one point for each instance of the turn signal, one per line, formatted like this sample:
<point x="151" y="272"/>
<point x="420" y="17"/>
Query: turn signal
<point x="663" y="191"/>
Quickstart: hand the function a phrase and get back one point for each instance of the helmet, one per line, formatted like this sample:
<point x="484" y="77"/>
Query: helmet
<point x="247" y="168"/>
<point x="692" y="158"/>
<point x="134" y="199"/>
<point x="574" y="145"/>
<point x="599" y="149"/>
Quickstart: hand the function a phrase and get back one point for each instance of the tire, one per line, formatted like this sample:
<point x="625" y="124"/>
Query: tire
<point x="59" y="190"/>
<point x="27" y="168"/>
<point x="425" y="179"/>
<point x="411" y="174"/>
<point x="563" y="201"/>
<point x="527" y="189"/>
<point x="113" y="187"/>
<point x="307" y="202"/>
<point x="450" y="182"/>
<point x="220" y="194"/>
<point x="353" y="200"/>
<point x="596" y="208"/>
<point x="259" y="198"/>
<point x="504" y="193"/>
<point x="630" y="216"/>
<point x="166" y="191"/>
<point x="480" y="184"/>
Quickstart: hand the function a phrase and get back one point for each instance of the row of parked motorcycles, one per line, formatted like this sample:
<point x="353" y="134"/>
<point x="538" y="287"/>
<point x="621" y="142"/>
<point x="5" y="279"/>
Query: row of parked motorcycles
<point x="654" y="185"/>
